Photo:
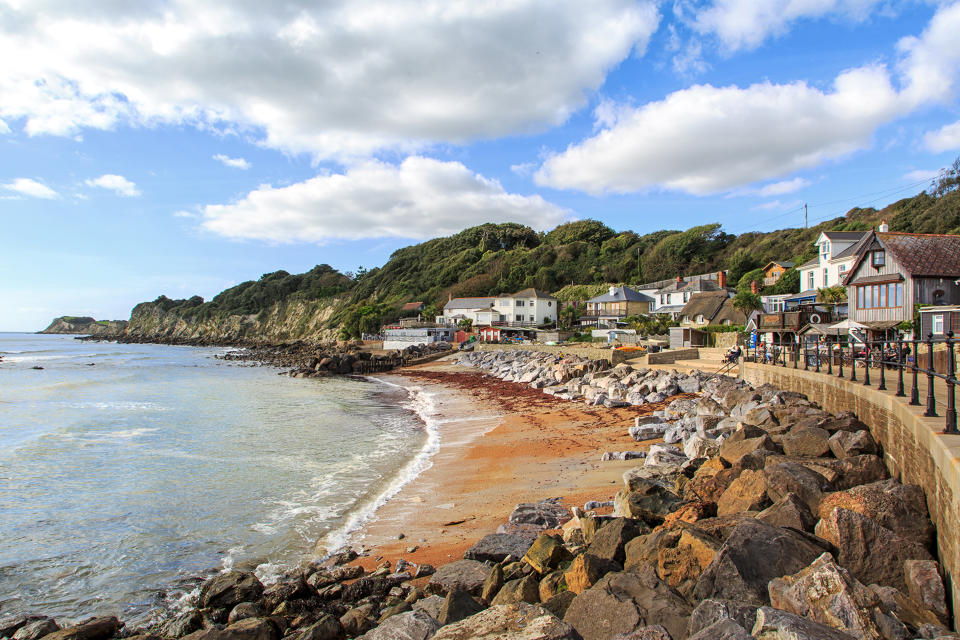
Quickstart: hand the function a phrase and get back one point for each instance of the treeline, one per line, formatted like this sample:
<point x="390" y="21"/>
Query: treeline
<point x="494" y="258"/>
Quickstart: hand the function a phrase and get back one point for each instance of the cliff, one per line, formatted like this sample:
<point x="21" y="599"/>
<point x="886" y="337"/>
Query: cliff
<point x="85" y="325"/>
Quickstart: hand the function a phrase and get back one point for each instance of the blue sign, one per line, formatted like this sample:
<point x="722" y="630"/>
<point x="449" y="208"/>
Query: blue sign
<point x="753" y="338"/>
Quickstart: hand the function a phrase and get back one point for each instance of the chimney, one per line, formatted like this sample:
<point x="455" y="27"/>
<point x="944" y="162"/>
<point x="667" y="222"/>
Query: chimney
<point x="613" y="290"/>
<point x="722" y="279"/>
<point x="884" y="227"/>
<point x="754" y="287"/>
<point x="679" y="279"/>
<point x="449" y="296"/>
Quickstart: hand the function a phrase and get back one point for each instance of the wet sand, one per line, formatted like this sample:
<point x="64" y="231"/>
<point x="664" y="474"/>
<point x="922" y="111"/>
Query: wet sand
<point x="502" y="443"/>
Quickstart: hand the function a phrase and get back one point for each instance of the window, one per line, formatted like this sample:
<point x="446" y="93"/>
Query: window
<point x="880" y="296"/>
<point x="825" y="278"/>
<point x="938" y="324"/>
<point x="531" y="319"/>
<point x="810" y="284"/>
<point x="519" y="318"/>
<point x="843" y="268"/>
<point x="519" y="303"/>
<point x="686" y="297"/>
<point x="825" y="249"/>
<point x="533" y="302"/>
<point x="701" y="319"/>
<point x="549" y="303"/>
<point x="878" y="258"/>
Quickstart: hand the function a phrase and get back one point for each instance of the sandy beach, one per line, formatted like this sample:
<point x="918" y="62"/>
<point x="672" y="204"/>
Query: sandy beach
<point x="502" y="443"/>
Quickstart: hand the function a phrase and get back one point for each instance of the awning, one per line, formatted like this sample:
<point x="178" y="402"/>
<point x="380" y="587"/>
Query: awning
<point x="848" y="325"/>
<point x="818" y="329"/>
<point x="880" y="325"/>
<point x="880" y="279"/>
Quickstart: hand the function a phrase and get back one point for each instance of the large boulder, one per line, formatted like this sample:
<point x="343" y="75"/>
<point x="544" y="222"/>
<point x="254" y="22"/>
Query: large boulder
<point x="624" y="602"/>
<point x="791" y="477"/>
<point x="609" y="542"/>
<point x="92" y="629"/>
<point x="525" y="589"/>
<point x="846" y="444"/>
<point x="249" y="629"/>
<point x="926" y="586"/>
<point x="586" y="570"/>
<point x="754" y="554"/>
<point x="650" y="507"/>
<point x="732" y="450"/>
<point x="227" y="590"/>
<point x="327" y="627"/>
<point x="680" y="566"/>
<point x="811" y="442"/>
<point x="725" y="629"/>
<point x="465" y="574"/>
<point x="790" y="511"/>
<point x="546" y="553"/>
<point x="456" y="606"/>
<point x="902" y="508"/>
<point x="509" y="622"/>
<point x="412" y="625"/>
<point x="711" y="611"/>
<point x="872" y="553"/>
<point x="747" y="493"/>
<point x="36" y="629"/>
<point x="495" y="547"/>
<point x="774" y="624"/>
<point x="546" y="514"/>
<point x="828" y="594"/>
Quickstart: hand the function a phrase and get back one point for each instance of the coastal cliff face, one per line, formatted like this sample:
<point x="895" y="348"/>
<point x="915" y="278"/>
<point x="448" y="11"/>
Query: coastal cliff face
<point x="85" y="325"/>
<point x="285" y="320"/>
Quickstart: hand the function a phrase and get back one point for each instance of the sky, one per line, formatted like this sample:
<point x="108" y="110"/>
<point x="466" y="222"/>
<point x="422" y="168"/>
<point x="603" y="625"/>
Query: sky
<point x="179" y="148"/>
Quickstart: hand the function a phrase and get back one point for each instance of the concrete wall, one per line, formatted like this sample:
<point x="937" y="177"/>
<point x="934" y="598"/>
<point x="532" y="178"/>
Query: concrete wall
<point x="914" y="448"/>
<point x="672" y="355"/>
<point x="594" y="353"/>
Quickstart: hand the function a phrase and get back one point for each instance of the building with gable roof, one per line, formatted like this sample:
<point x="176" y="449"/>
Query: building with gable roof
<point x="526" y="308"/>
<point x="607" y="310"/>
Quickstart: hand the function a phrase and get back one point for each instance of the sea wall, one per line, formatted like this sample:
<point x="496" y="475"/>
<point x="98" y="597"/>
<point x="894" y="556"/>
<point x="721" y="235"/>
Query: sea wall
<point x="592" y="353"/>
<point x="915" y="450"/>
<point x="670" y="356"/>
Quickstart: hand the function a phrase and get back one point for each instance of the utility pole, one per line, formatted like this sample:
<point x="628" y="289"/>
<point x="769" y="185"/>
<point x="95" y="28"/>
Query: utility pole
<point x="805" y="226"/>
<point x="638" y="265"/>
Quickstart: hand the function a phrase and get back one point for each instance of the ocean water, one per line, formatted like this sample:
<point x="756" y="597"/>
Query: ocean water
<point x="128" y="471"/>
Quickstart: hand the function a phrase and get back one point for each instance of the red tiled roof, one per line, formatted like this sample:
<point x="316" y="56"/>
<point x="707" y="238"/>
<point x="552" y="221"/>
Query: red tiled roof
<point x="411" y="306"/>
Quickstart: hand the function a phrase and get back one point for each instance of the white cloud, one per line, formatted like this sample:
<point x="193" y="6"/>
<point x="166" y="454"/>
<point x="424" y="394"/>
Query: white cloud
<point x="184" y="214"/>
<point x="118" y="184"/>
<point x="783" y="187"/>
<point x="776" y="205"/>
<point x="338" y="79"/>
<point x="920" y="175"/>
<point x="746" y="24"/>
<point x="31" y="188"/>
<point x="946" y="138"/>
<point x="524" y="168"/>
<point x="708" y="139"/>
<point x="931" y="61"/>
<point x="235" y="163"/>
<point x="419" y="198"/>
<point x="4" y="127"/>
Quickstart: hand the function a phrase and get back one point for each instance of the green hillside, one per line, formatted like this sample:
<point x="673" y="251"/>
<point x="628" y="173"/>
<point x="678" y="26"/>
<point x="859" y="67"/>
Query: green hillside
<point x="493" y="258"/>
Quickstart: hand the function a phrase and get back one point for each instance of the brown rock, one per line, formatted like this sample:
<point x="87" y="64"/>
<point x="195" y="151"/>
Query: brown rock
<point x="732" y="450"/>
<point x="774" y="624"/>
<point x="790" y="477"/>
<point x="608" y="543"/>
<point x="625" y="602"/>
<point x="872" y="553"/>
<point x="492" y="584"/>
<point x="653" y="632"/>
<point x="690" y="512"/>
<point x="249" y="629"/>
<point x="925" y="585"/>
<point x="828" y="594"/>
<point x="458" y="605"/>
<point x="725" y="629"/>
<point x="558" y="604"/>
<point x="526" y="589"/>
<point x="905" y="608"/>
<point x="857" y="470"/>
<point x="467" y="574"/>
<point x="846" y="444"/>
<point x="902" y="508"/>
<point x="551" y="585"/>
<point x="586" y="570"/>
<point x="711" y="611"/>
<point x="709" y="488"/>
<point x="688" y="559"/>
<point x="845" y="421"/>
<point x="546" y="553"/>
<point x="590" y="525"/>
<point x="645" y="549"/>
<point x="810" y="442"/>
<point x="92" y="629"/>
<point x="357" y="620"/>
<point x="36" y="629"/>
<point x="509" y="622"/>
<point x="747" y="493"/>
<point x="789" y="511"/>
<point x="227" y="590"/>
<point x="652" y="507"/>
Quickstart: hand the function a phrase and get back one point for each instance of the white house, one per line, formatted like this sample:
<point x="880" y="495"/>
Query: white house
<point x="672" y="295"/>
<point x="836" y="253"/>
<point x="526" y="308"/>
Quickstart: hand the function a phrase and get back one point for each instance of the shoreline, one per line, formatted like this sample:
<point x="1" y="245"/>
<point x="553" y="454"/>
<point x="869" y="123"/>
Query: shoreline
<point x="501" y="444"/>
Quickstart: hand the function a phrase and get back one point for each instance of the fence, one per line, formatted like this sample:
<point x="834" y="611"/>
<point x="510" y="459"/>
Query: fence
<point x="910" y="358"/>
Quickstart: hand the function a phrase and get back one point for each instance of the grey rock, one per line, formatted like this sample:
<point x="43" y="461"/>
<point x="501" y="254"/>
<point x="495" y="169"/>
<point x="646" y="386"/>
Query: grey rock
<point x="711" y="611"/>
<point x="228" y="589"/>
<point x="520" y="621"/>
<point x="649" y="431"/>
<point x="412" y="625"/>
<point x="546" y="514"/>
<point x="465" y="574"/>
<point x="183" y="624"/>
<point x="495" y="547"/>
<point x="243" y="611"/>
<point x="36" y="629"/>
<point x="430" y="605"/>
<point x="773" y="624"/>
<point x="725" y="629"/>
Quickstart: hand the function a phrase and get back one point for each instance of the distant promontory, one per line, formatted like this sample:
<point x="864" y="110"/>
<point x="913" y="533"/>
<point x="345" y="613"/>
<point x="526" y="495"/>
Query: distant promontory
<point x="85" y="325"/>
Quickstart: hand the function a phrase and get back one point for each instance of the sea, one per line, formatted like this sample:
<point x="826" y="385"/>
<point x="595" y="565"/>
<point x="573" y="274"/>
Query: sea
<point x="129" y="472"/>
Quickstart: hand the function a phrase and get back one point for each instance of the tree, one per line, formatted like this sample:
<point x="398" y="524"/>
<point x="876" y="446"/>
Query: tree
<point x="741" y="262"/>
<point x="947" y="180"/>
<point x="466" y="324"/>
<point x="743" y="284"/>
<point x="789" y="282"/>
<point x="832" y="295"/>
<point x="747" y="302"/>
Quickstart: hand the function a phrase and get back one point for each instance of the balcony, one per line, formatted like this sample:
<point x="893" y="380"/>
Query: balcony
<point x="793" y="320"/>
<point x="506" y="324"/>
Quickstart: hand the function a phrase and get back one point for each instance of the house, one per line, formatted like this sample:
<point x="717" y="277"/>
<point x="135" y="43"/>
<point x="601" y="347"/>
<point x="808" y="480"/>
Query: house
<point x="529" y="307"/>
<point x="605" y="311"/>
<point x="895" y="271"/>
<point x="674" y="294"/>
<point x="400" y="339"/>
<point x="711" y="308"/>
<point x="773" y="270"/>
<point x="412" y="308"/>
<point x="836" y="252"/>
<point x="938" y="321"/>
<point x="775" y="303"/>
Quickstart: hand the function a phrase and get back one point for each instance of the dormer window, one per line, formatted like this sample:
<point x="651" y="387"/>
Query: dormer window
<point x="825" y="249"/>
<point x="878" y="258"/>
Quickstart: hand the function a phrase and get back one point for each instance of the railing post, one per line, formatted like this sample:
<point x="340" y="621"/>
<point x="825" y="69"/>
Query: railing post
<point x="829" y="359"/>
<point x="951" y="426"/>
<point x="806" y="356"/>
<point x="931" y="411"/>
<point x="796" y="354"/>
<point x="818" y="353"/>
<point x="853" y="363"/>
<point x="900" y="393"/>
<point x="867" y="356"/>
<point x="840" y="361"/>
<point x="915" y="391"/>
<point x="883" y="368"/>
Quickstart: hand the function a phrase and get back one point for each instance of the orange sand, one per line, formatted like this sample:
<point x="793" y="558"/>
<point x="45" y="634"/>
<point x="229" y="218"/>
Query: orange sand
<point x="535" y="447"/>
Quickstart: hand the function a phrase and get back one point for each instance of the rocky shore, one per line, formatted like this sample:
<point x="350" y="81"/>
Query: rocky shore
<point x="751" y="513"/>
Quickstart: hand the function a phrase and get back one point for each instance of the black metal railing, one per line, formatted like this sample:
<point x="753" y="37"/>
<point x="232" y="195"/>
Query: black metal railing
<point x="875" y="360"/>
